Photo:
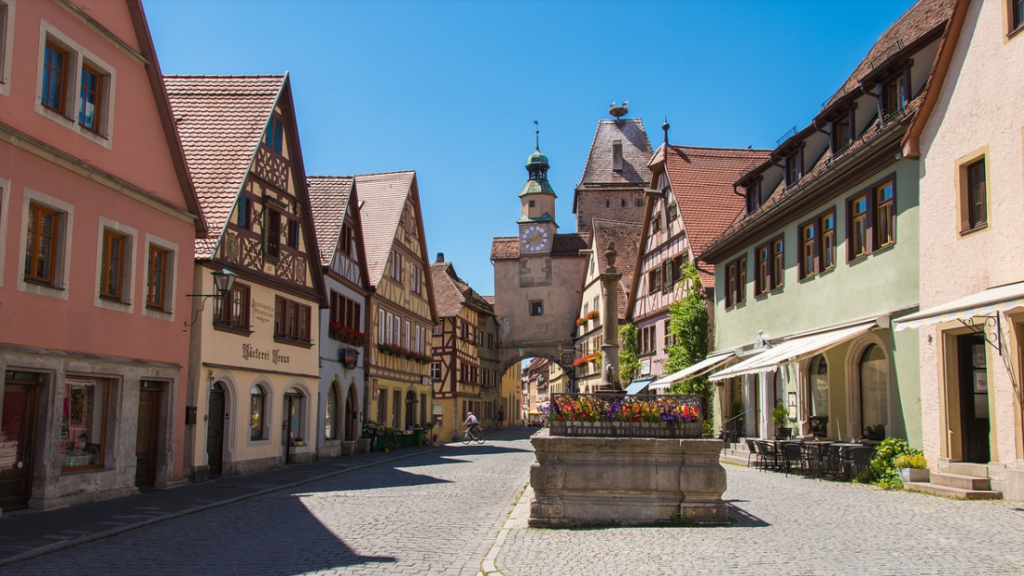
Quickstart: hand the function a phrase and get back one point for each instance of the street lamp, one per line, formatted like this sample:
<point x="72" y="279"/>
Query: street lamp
<point x="223" y="281"/>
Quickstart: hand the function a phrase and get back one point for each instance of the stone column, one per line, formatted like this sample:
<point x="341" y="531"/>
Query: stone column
<point x="610" y="322"/>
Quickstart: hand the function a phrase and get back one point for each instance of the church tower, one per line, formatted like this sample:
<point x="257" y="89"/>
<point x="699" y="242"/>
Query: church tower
<point x="537" y="227"/>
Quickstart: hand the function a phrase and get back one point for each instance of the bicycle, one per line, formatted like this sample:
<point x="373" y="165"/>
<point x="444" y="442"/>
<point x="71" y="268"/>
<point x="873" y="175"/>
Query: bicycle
<point x="474" y="433"/>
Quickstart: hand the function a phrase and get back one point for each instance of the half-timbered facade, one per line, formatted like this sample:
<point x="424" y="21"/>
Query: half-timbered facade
<point x="335" y="205"/>
<point x="690" y="203"/>
<point x="402" y="309"/>
<point x="459" y="373"/>
<point x="253" y="352"/>
<point x="589" y="326"/>
<point x="98" y="220"/>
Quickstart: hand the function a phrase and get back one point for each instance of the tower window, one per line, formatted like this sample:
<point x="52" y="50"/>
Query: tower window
<point x="623" y="203"/>
<point x="607" y="203"/>
<point x="533" y="203"/>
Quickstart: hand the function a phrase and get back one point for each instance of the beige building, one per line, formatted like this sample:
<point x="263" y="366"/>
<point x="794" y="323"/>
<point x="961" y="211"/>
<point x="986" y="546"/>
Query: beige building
<point x="969" y="137"/>
<point x="253" y="363"/>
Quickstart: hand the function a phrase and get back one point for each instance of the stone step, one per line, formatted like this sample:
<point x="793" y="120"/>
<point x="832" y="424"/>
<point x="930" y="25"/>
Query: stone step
<point x="968" y="469"/>
<point x="950" y="492"/>
<point x="732" y="459"/>
<point x="960" y="481"/>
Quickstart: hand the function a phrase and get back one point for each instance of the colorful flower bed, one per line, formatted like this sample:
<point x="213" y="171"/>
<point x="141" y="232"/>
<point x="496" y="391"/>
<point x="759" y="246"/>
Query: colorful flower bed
<point x="595" y="357"/>
<point x="595" y="408"/>
<point x="592" y="315"/>
<point x="403" y="353"/>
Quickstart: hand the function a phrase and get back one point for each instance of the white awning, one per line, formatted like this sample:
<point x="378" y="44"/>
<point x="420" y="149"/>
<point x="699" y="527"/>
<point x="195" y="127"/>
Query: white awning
<point x="698" y="369"/>
<point x="984" y="303"/>
<point x="793" y="351"/>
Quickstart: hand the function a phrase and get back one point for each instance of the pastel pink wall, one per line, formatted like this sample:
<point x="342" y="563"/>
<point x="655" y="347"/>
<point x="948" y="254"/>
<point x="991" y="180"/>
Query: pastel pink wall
<point x="979" y="107"/>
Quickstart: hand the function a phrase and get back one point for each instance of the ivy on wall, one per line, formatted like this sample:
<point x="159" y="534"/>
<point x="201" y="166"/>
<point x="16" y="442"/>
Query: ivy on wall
<point x="688" y="323"/>
<point x="629" y="364"/>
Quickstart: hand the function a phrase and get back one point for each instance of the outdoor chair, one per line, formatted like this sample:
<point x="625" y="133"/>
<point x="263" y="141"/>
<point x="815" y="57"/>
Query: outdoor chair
<point x="752" y="447"/>
<point x="793" y="456"/>
<point x="769" y="454"/>
<point x="857" y="460"/>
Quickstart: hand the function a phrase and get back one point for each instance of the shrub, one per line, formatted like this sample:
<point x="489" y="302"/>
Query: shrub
<point x="910" y="461"/>
<point x="883" y="469"/>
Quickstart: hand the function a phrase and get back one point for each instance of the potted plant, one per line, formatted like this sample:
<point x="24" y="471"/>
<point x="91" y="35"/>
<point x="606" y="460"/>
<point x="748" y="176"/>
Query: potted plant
<point x="780" y="417"/>
<point x="875" y="432"/>
<point x="912" y="467"/>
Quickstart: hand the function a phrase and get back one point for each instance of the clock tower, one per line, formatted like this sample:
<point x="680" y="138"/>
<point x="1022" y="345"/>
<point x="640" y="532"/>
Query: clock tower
<point x="537" y="225"/>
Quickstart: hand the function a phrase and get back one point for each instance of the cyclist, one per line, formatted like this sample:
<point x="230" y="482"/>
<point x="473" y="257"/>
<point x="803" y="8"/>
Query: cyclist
<point x="471" y="423"/>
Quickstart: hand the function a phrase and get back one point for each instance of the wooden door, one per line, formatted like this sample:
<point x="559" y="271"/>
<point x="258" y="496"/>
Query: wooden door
<point x="146" y="438"/>
<point x="17" y="445"/>
<point x="974" y="413"/>
<point x="215" y="431"/>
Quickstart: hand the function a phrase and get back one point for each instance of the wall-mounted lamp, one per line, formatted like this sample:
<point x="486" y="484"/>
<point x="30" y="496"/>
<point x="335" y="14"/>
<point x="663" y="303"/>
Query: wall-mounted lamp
<point x="223" y="281"/>
<point x="522" y="351"/>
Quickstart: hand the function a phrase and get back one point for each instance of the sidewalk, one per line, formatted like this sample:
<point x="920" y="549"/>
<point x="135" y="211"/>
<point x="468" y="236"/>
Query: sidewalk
<point x="28" y="533"/>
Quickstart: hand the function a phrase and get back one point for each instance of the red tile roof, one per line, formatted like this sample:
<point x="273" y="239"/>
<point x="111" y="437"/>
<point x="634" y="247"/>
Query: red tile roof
<point x="507" y="247"/>
<point x="451" y="293"/>
<point x="384" y="196"/>
<point x="626" y="236"/>
<point x="328" y="201"/>
<point x="220" y="121"/>
<point x="702" y="181"/>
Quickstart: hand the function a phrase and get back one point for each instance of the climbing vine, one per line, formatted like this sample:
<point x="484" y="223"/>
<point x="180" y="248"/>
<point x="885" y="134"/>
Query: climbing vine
<point x="629" y="364"/>
<point x="688" y="323"/>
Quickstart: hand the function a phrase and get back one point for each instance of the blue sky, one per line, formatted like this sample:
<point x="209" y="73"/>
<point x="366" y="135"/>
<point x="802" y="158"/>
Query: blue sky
<point x="451" y="88"/>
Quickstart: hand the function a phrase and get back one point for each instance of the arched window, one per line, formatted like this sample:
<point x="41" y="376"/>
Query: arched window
<point x="331" y="414"/>
<point x="257" y="408"/>
<point x="817" y="383"/>
<point x="874" y="401"/>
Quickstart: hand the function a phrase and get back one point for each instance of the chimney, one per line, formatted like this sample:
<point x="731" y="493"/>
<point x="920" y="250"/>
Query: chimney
<point x="617" y="156"/>
<point x="440" y="257"/>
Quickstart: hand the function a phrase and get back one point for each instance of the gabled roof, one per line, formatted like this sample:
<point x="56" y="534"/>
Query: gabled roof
<point x="702" y="183"/>
<point x="220" y="120"/>
<point x="452" y="293"/>
<point x="328" y="200"/>
<point x="626" y="236"/>
<point x="384" y="196"/>
<point x="156" y="83"/>
<point x="636" y="151"/>
<point x="507" y="247"/>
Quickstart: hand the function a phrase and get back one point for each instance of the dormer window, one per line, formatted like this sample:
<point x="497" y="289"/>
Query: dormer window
<point x="753" y="197"/>
<point x="617" y="156"/>
<point x="842" y="132"/>
<point x="794" y="167"/>
<point x="894" y="96"/>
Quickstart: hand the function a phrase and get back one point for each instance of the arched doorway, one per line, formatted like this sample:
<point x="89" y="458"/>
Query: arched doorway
<point x="292" y="425"/>
<point x="331" y="413"/>
<point x="215" y="431"/>
<point x="818" y="396"/>
<point x="874" y="392"/>
<point x="410" y="409"/>
<point x="351" y="414"/>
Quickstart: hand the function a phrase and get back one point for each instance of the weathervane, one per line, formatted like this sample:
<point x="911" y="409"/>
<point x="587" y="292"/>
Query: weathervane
<point x="537" y="134"/>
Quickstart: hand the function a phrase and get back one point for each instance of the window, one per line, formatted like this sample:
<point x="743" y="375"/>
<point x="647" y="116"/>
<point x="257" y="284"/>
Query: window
<point x="291" y="320"/>
<point x="874" y="404"/>
<point x="84" y="423"/>
<point x="808" y="250"/>
<point x="654" y="280"/>
<point x="817" y="383"/>
<point x="242" y="218"/>
<point x="55" y="72"/>
<point x="1017" y="14"/>
<point x="257" y="408"/>
<point x="639" y="203"/>
<point x="753" y="196"/>
<point x="668" y="278"/>
<point x="157" y="280"/>
<point x="673" y="212"/>
<point x="41" y="244"/>
<point x="233" y="309"/>
<point x="536" y="307"/>
<point x="91" y="98"/>
<point x="391" y="339"/>
<point x="736" y="281"/>
<point x="273" y="233"/>
<point x="438" y="329"/>
<point x="345" y="312"/>
<point x="417" y="280"/>
<point x="408" y="335"/>
<point x="778" y="269"/>
<point x="975" y="201"/>
<point x="533" y="203"/>
<point x="435" y="370"/>
<point x="395" y="268"/>
<point x="381" y="329"/>
<point x="112" y="264"/>
<point x="794" y="167"/>
<point x="858" y="226"/>
<point x="347" y="241"/>
<point x="827" y="256"/>
<point x="894" y="97"/>
<point x="670" y="340"/>
<point x="762" y="270"/>
<point x="4" y="35"/>
<point x="842" y="132"/>
<point x="293" y="234"/>
<point x="274" y="137"/>
<point x="656" y="222"/>
<point x="885" y="215"/>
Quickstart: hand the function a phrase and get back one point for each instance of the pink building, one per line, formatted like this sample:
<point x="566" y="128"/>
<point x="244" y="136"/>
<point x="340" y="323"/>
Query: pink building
<point x="98" y="220"/>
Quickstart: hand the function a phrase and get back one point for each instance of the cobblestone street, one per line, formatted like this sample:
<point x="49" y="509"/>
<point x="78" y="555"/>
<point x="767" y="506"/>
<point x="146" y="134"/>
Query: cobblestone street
<point x="447" y="512"/>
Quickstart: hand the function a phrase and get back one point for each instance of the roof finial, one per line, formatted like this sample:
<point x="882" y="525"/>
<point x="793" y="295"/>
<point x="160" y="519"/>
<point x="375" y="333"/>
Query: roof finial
<point x="665" y="127"/>
<point x="537" y="134"/>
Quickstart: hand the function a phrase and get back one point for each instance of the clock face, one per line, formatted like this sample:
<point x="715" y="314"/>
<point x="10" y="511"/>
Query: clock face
<point x="534" y="239"/>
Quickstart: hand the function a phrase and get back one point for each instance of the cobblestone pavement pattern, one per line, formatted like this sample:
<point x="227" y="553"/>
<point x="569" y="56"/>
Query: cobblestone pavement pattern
<point x="447" y="513"/>
<point x="436" y="513"/>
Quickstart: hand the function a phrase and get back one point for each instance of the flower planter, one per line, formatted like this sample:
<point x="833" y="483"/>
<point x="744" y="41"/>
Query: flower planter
<point x="914" y="475"/>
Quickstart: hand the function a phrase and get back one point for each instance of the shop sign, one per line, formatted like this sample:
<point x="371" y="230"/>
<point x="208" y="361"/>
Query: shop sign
<point x="349" y="357"/>
<point x="262" y="312"/>
<point x="250" y="352"/>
